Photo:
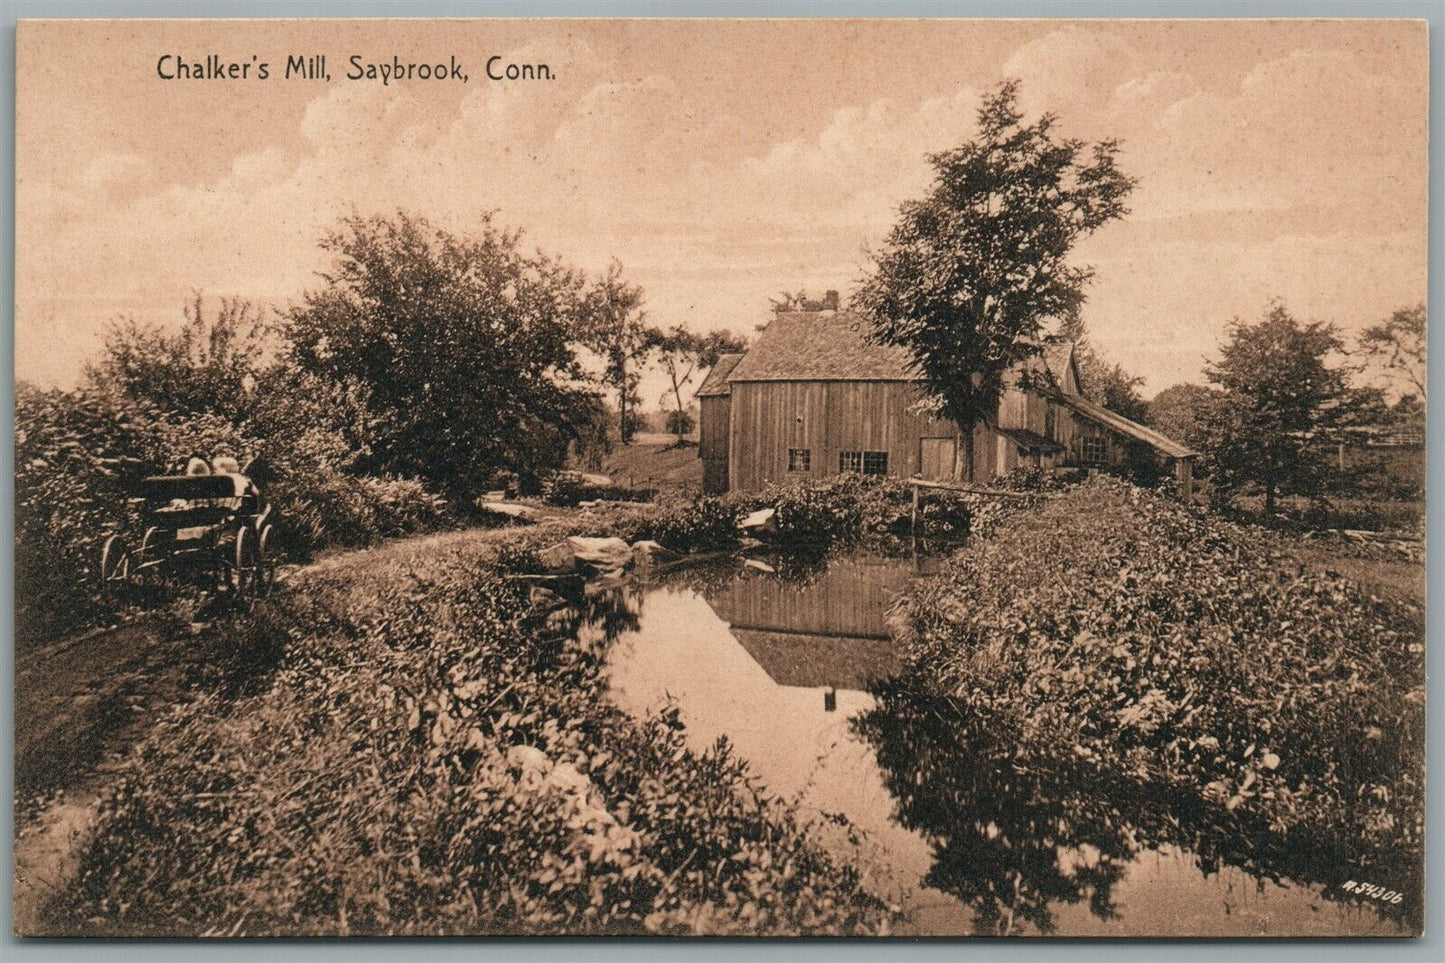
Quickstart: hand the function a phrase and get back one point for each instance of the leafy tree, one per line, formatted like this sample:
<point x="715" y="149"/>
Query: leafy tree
<point x="617" y="329"/>
<point x="208" y="365"/>
<point x="970" y="273"/>
<point x="680" y="422"/>
<point x="1101" y="381"/>
<point x="463" y="348"/>
<point x="1184" y="412"/>
<point x="1108" y="384"/>
<point x="1285" y="397"/>
<point x="683" y="354"/>
<point x="1398" y="343"/>
<point x="596" y="434"/>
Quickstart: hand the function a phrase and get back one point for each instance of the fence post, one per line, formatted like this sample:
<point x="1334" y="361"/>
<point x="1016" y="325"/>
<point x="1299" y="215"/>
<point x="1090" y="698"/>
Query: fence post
<point x="913" y="525"/>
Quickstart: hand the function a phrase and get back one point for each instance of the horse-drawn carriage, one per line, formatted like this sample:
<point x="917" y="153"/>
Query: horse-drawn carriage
<point x="216" y="526"/>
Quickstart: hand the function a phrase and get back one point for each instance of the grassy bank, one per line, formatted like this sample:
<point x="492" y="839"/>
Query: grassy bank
<point x="1134" y="673"/>
<point x="400" y="747"/>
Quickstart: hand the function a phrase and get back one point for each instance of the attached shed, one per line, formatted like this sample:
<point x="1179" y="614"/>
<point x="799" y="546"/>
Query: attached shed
<point x="712" y="432"/>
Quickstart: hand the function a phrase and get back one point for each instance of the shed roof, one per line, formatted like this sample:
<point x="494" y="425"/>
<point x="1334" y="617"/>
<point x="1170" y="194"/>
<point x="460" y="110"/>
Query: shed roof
<point x="821" y="346"/>
<point x="1032" y="440"/>
<point x="716" y="383"/>
<point x="1117" y="422"/>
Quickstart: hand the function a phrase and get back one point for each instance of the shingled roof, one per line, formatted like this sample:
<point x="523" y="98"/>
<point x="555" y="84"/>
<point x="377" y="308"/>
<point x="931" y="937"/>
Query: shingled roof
<point x="814" y="661"/>
<point x="715" y="385"/>
<point x="820" y="346"/>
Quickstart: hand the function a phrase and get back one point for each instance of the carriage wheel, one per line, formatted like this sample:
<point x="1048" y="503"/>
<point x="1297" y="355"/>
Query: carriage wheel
<point x="115" y="562"/>
<point x="250" y="571"/>
<point x="268" y="564"/>
<point x="147" y="553"/>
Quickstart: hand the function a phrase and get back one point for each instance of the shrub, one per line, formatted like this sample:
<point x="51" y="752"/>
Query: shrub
<point x="706" y="525"/>
<point x="1191" y="663"/>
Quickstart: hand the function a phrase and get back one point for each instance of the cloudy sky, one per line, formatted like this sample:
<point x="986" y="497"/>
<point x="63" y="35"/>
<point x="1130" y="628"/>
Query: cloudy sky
<point x="720" y="162"/>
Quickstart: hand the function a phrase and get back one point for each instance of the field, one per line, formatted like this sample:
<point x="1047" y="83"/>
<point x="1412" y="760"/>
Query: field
<point x="656" y="461"/>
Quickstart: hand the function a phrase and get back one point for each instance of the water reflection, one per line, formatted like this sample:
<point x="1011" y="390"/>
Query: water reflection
<point x="795" y="667"/>
<point x="1018" y="839"/>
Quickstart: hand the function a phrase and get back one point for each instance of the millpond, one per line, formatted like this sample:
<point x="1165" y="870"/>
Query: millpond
<point x="792" y="662"/>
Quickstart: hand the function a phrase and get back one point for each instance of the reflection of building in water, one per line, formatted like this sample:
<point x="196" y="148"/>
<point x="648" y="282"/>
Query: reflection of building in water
<point x="830" y="632"/>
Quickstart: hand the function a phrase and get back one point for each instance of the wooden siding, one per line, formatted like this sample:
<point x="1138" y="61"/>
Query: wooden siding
<point x="849" y="600"/>
<point x="712" y="437"/>
<point x="712" y="442"/>
<point x="825" y="417"/>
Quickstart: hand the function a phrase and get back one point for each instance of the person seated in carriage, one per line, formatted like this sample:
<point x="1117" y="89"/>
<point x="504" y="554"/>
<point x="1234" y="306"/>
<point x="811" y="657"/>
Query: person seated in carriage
<point x="226" y="465"/>
<point x="219" y="465"/>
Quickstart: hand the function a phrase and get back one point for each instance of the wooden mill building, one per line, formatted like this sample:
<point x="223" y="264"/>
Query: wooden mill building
<point x="813" y="397"/>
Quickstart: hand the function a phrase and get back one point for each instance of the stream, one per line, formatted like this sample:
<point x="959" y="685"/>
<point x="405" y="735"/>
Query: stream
<point x="787" y="659"/>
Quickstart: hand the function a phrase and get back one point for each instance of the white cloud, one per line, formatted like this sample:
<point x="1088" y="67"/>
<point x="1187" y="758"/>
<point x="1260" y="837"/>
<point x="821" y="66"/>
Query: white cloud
<point x="642" y="170"/>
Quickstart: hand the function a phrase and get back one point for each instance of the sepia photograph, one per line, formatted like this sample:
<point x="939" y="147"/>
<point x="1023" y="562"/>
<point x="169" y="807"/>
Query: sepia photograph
<point x="720" y="478"/>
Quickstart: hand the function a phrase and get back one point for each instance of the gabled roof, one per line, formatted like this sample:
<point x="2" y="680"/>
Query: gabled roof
<point x="1057" y="358"/>
<point x="716" y="383"/>
<point x="816" y="661"/>
<point x="1117" y="422"/>
<point x="821" y="346"/>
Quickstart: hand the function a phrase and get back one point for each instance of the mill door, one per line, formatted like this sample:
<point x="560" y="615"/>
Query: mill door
<point x="935" y="458"/>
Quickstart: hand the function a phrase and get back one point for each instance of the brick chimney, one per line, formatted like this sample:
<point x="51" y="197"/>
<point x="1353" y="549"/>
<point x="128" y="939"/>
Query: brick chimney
<point x="830" y="300"/>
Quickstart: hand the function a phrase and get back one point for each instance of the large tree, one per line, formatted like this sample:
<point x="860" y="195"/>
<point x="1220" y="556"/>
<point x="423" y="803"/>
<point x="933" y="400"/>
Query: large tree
<point x="1184" y="412"/>
<point x="969" y="275"/>
<point x="1287" y="395"/>
<point x="685" y="353"/>
<point x="462" y="347"/>
<point x="1398" y="343"/>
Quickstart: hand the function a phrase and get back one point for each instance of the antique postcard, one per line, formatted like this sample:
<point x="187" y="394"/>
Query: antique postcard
<point x="720" y="478"/>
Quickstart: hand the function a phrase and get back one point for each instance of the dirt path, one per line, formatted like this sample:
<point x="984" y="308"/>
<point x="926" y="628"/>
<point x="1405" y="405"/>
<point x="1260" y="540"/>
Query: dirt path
<point x="81" y="703"/>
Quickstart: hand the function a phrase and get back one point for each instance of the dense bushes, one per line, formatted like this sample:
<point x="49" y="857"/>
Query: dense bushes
<point x="705" y="525"/>
<point x="427" y="759"/>
<point x="569" y="488"/>
<point x="81" y="454"/>
<point x="1121" y="635"/>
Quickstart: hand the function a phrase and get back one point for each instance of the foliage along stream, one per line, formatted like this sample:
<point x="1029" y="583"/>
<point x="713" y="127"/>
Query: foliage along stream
<point x="790" y="661"/>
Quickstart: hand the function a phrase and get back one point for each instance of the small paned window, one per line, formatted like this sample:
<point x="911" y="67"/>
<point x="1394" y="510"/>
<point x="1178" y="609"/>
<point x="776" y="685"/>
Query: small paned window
<point x="1093" y="449"/>
<point x="850" y="461"/>
<point x="875" y="463"/>
<point x="800" y="459"/>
